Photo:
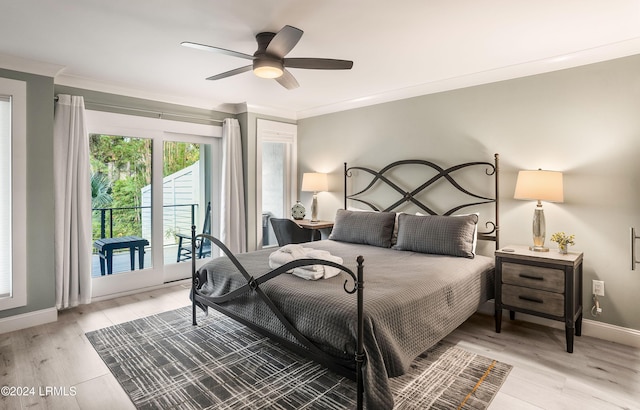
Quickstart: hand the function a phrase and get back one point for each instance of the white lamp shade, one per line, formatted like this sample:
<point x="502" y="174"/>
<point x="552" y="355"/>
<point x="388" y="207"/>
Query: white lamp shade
<point x="539" y="185"/>
<point x="314" y="182"/>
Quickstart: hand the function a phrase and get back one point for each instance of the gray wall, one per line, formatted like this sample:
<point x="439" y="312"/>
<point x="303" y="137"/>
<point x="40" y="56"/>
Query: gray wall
<point x="40" y="275"/>
<point x="583" y="121"/>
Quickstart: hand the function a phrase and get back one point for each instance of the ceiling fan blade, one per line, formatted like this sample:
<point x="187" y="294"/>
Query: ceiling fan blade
<point x="284" y="41"/>
<point x="288" y="81"/>
<point x="230" y="73"/>
<point x="318" y="63"/>
<point x="216" y="50"/>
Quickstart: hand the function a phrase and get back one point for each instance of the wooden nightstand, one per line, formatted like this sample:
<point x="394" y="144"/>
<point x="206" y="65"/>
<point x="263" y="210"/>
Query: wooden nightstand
<point x="316" y="225"/>
<point x="545" y="284"/>
<point x="307" y="224"/>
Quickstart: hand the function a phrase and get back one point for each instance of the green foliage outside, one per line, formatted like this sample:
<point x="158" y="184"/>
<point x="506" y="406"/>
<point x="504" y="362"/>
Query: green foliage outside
<point x="120" y="168"/>
<point x="100" y="191"/>
<point x="179" y="155"/>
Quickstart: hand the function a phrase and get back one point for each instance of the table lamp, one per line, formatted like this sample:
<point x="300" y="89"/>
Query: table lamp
<point x="314" y="182"/>
<point x="539" y="186"/>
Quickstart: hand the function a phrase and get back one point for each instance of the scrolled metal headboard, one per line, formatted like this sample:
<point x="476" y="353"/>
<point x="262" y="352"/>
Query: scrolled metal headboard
<point x="410" y="196"/>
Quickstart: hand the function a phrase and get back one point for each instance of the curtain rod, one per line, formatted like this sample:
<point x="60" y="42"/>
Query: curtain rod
<point x="160" y="114"/>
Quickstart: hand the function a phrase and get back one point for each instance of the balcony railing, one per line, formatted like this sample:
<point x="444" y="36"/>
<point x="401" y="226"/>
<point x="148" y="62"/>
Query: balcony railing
<point x="179" y="218"/>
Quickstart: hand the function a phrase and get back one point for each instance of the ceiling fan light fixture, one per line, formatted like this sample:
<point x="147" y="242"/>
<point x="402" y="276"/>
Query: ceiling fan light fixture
<point x="268" y="68"/>
<point x="269" y="59"/>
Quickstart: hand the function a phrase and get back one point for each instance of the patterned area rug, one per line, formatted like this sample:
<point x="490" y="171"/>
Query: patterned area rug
<point x="164" y="362"/>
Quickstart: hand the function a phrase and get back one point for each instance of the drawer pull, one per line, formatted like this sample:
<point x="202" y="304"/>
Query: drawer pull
<point x="530" y="299"/>
<point x="522" y="275"/>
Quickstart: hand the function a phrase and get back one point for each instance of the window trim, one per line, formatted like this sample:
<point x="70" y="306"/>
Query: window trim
<point x="18" y="91"/>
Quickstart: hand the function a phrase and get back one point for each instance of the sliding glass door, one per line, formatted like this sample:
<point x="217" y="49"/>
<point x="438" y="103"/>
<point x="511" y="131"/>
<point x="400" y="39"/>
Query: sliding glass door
<point x="151" y="181"/>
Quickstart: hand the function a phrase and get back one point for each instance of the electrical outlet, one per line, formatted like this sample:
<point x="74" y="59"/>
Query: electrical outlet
<point x="598" y="287"/>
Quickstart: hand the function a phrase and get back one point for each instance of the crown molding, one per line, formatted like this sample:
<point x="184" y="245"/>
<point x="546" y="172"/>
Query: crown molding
<point x="593" y="55"/>
<point x="15" y="63"/>
<point x="267" y="111"/>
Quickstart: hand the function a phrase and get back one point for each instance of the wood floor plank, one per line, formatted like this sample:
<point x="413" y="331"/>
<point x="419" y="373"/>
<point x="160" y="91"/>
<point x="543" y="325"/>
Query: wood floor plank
<point x="598" y="375"/>
<point x="103" y="392"/>
<point x="506" y="401"/>
<point x="8" y="371"/>
<point x="88" y="317"/>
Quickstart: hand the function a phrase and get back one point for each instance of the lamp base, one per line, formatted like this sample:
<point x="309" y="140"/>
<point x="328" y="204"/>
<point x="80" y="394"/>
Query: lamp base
<point x="539" y="230"/>
<point x="538" y="248"/>
<point x="314" y="208"/>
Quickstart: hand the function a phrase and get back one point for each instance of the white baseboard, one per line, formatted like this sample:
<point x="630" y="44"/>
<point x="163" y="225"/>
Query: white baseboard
<point x="591" y="328"/>
<point x="41" y="317"/>
<point x="612" y="333"/>
<point x="147" y="289"/>
<point x="25" y="320"/>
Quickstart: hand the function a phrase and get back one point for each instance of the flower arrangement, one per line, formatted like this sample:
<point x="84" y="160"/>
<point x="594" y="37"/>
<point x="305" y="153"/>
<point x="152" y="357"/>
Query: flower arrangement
<point x="563" y="240"/>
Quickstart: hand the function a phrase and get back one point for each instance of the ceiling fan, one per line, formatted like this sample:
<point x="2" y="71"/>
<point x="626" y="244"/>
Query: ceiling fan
<point x="269" y="60"/>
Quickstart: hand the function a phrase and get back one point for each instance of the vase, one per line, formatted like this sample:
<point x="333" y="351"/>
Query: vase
<point x="563" y="249"/>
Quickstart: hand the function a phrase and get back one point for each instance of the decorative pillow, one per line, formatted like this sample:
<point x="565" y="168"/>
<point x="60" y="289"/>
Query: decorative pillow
<point x="475" y="231"/>
<point x="394" y="237"/>
<point x="435" y="234"/>
<point x="369" y="228"/>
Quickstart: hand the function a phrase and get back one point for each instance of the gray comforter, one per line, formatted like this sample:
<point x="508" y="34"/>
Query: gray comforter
<point x="411" y="301"/>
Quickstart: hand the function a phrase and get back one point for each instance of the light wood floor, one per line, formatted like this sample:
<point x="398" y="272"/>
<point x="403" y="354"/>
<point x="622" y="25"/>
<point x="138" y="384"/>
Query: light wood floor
<point x="598" y="375"/>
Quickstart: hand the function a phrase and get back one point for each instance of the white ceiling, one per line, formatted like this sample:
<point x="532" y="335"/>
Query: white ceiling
<point x="399" y="48"/>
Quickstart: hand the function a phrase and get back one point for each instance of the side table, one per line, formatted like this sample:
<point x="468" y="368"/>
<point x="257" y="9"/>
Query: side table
<point x="544" y="284"/>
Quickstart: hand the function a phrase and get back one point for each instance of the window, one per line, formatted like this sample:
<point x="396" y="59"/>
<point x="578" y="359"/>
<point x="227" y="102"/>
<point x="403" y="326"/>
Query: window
<point x="13" y="292"/>
<point x="5" y="192"/>
<point x="160" y="176"/>
<point x="277" y="182"/>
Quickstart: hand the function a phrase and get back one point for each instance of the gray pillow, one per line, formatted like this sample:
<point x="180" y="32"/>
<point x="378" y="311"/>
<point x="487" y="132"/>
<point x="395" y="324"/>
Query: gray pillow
<point x="369" y="228"/>
<point x="434" y="234"/>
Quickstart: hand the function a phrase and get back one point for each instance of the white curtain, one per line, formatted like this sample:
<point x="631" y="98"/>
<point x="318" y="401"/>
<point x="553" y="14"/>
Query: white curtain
<point x="72" y="203"/>
<point x="232" y="212"/>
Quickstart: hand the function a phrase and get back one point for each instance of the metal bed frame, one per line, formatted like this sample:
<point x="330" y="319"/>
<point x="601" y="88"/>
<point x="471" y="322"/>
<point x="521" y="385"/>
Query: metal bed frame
<point x="304" y="346"/>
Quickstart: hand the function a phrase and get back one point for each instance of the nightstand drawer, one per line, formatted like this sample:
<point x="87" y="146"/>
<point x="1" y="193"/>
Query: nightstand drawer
<point x="532" y="299"/>
<point x="535" y="277"/>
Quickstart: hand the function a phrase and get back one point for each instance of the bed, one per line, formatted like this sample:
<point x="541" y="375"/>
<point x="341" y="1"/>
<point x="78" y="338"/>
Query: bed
<point x="419" y="287"/>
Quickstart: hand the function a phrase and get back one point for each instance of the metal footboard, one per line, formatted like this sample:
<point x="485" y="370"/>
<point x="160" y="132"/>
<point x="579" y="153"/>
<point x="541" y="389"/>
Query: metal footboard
<point x="304" y="346"/>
